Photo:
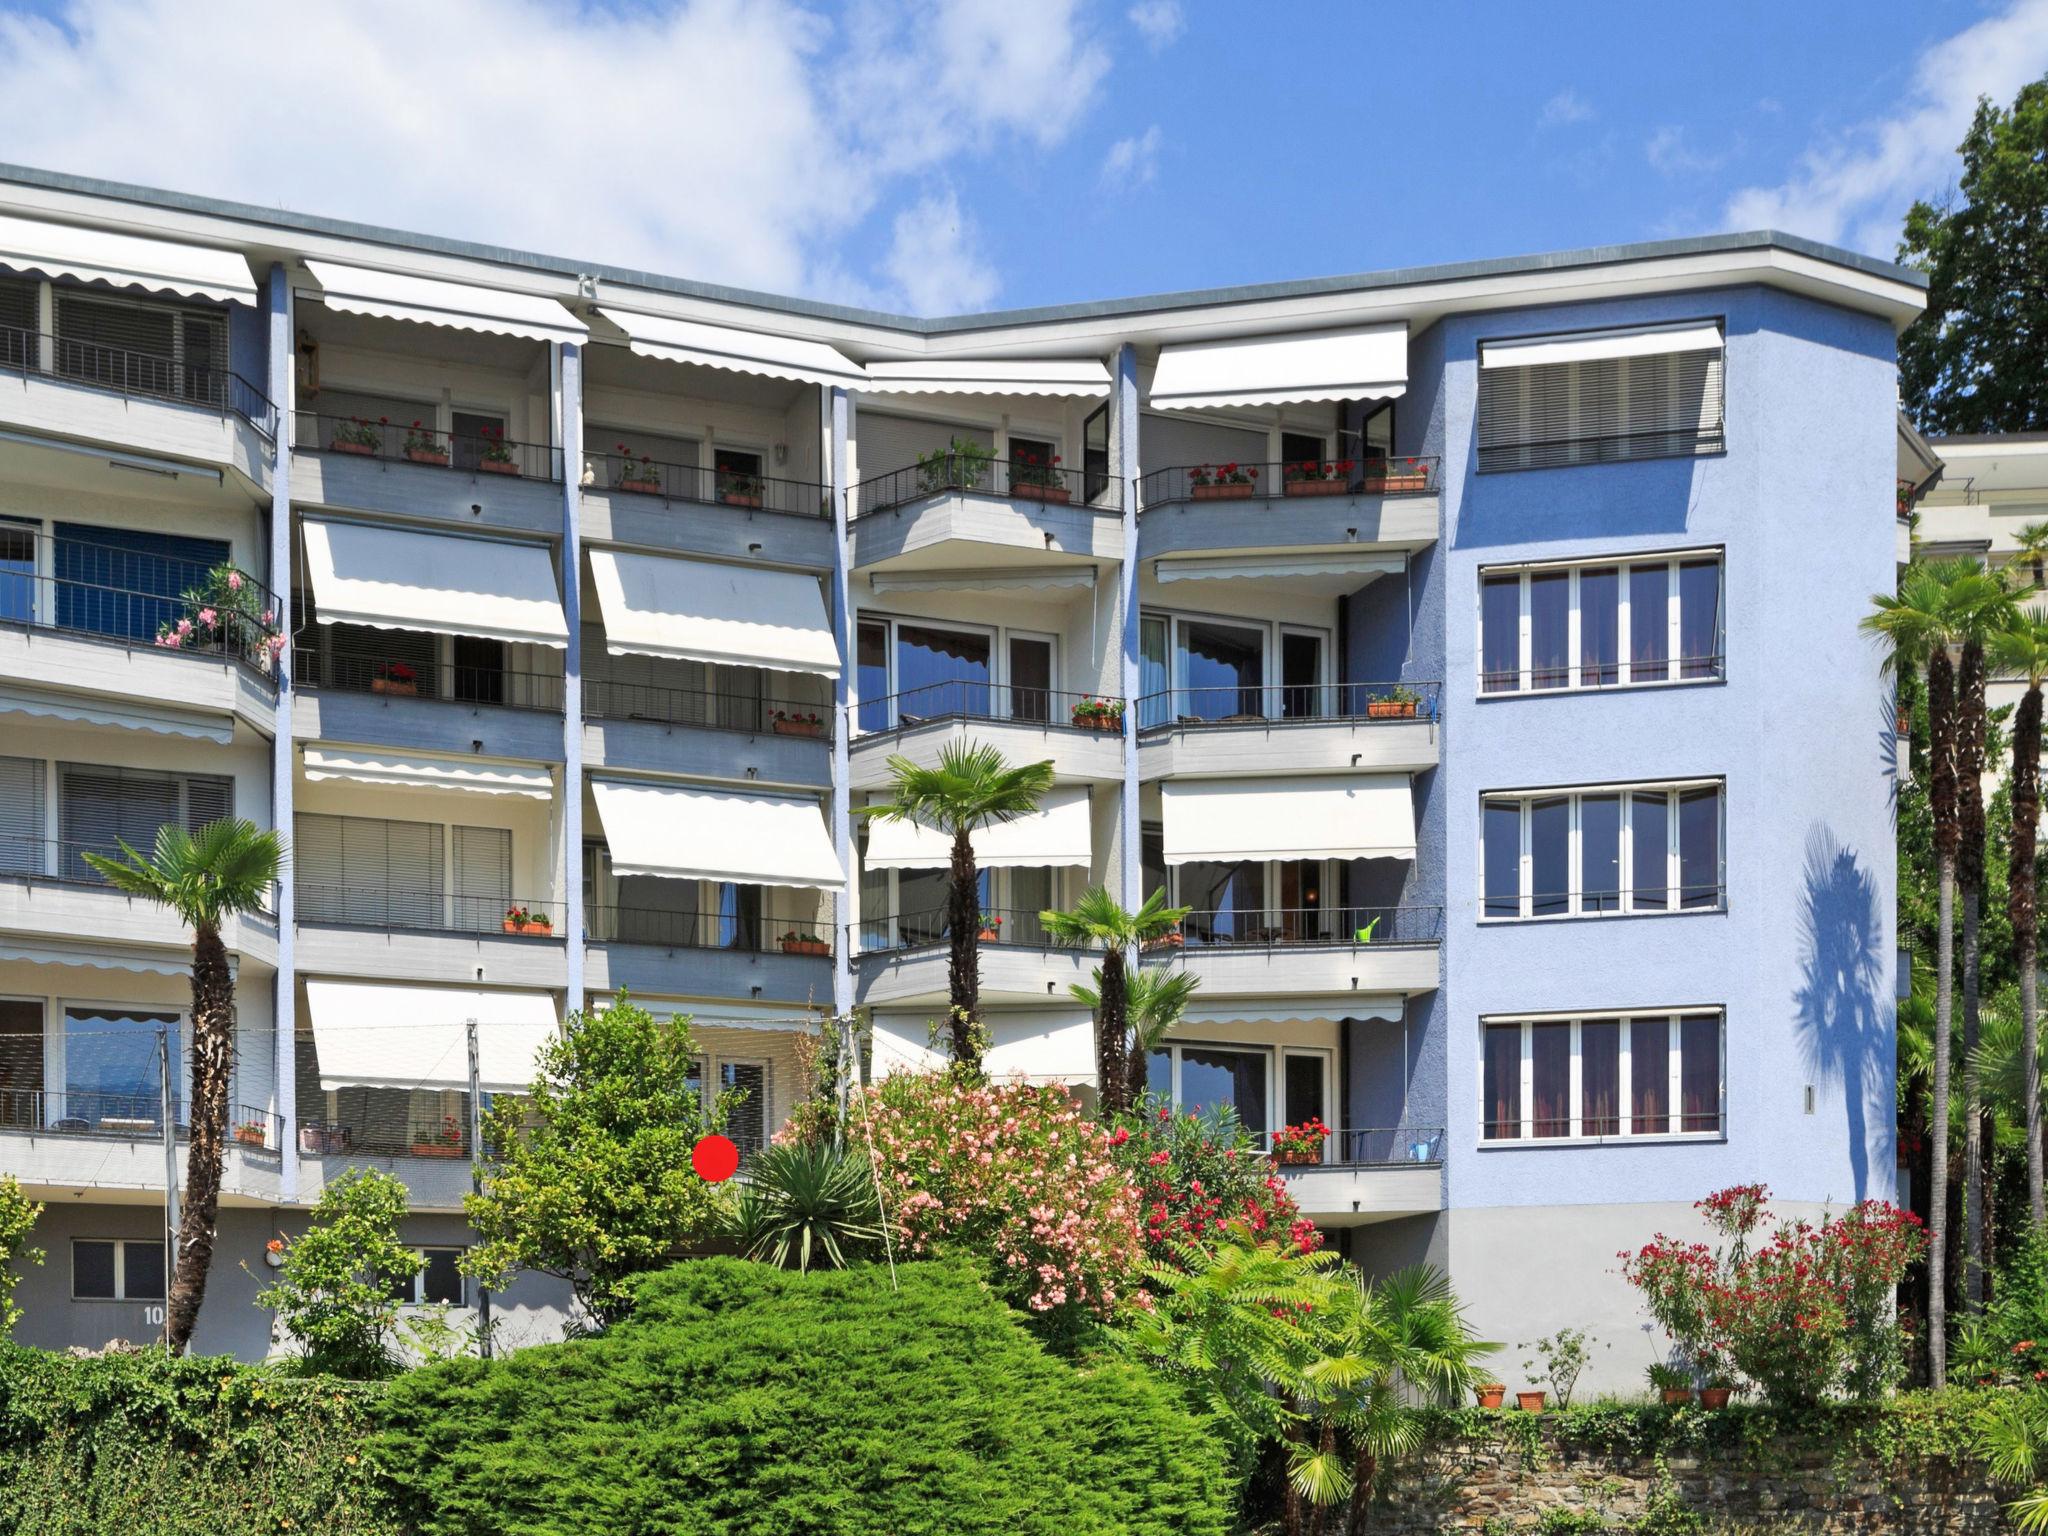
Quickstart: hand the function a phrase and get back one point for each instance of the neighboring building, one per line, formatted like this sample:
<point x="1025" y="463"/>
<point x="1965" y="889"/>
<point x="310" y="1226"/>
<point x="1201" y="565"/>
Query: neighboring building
<point x="1520" y="761"/>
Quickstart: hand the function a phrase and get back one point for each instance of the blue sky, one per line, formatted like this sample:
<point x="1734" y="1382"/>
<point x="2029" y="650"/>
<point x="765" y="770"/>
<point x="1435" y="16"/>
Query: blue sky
<point x="937" y="155"/>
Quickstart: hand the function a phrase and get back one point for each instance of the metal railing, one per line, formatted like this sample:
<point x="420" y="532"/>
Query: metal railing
<point x="136" y="375"/>
<point x="1018" y="927"/>
<point x="127" y="1116"/>
<point x="1595" y="675"/>
<point x="61" y="861"/>
<point x="705" y="484"/>
<point x="395" y="905"/>
<point x="1286" y="702"/>
<point x="702" y="930"/>
<point x="1600" y="448"/>
<point x="476" y="454"/>
<point x="974" y="700"/>
<point x="161" y="602"/>
<point x="1334" y="927"/>
<point x="499" y="686"/>
<point x="398" y="1135"/>
<point x="706" y="709"/>
<point x="1304" y="479"/>
<point x="1018" y="479"/>
<point x="1391" y="1146"/>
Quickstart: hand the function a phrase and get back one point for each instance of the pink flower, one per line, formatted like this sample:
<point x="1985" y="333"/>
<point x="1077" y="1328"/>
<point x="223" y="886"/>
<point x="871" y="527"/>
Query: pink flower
<point x="207" y="616"/>
<point x="234" y="581"/>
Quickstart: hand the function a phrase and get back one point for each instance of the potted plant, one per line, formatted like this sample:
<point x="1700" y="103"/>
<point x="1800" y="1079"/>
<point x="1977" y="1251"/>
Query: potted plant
<point x="1034" y="478"/>
<point x="1490" y="1393"/>
<point x="252" y="1133"/>
<point x="1173" y="938"/>
<point x="395" y="677"/>
<point x="522" y="920"/>
<point x="1222" y="482"/>
<point x="1318" y="477"/>
<point x="423" y="445"/>
<point x="638" y="475"/>
<point x="1303" y="1143"/>
<point x="1718" y="1389"/>
<point x="798" y="722"/>
<point x="991" y="928"/>
<point x="1100" y="715"/>
<point x="357" y="435"/>
<point x="737" y="488"/>
<point x="1397" y="703"/>
<point x="495" y="455"/>
<point x="445" y="1142"/>
<point x="1673" y="1384"/>
<point x="1531" y="1402"/>
<point x="794" y="943"/>
<point x="961" y="466"/>
<point x="319" y="1139"/>
<point x="1384" y="477"/>
<point x="1563" y="1356"/>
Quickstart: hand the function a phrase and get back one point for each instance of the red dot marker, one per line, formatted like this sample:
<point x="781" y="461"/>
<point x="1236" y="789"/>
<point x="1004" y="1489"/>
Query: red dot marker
<point x="715" y="1158"/>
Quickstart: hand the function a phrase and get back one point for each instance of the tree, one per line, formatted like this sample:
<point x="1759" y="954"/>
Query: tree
<point x="973" y="786"/>
<point x="338" y="1283"/>
<point x="1098" y="920"/>
<point x="588" y="1178"/>
<point x="225" y="868"/>
<point x="1977" y="360"/>
<point x="18" y="1217"/>
<point x="2021" y="650"/>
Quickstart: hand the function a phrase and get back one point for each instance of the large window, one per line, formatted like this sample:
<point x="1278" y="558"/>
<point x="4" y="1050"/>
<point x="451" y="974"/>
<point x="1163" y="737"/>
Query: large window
<point x="1596" y="398"/>
<point x="1602" y="624"/>
<point x="1601" y="1077"/>
<point x="99" y="808"/>
<point x="437" y="1282"/>
<point x="116" y="1269"/>
<point x="1193" y="668"/>
<point x="113" y="1069"/>
<point x="910" y="670"/>
<point x="1601" y="852"/>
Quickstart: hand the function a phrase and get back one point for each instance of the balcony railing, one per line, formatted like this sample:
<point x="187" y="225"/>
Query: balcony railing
<point x="1321" y="927"/>
<point x="1397" y="1146"/>
<point x="61" y="861"/>
<point x="475" y="454"/>
<point x="397" y="1132"/>
<point x="136" y="375"/>
<point x="1298" y="480"/>
<point x="703" y="930"/>
<point x="967" y="700"/>
<point x="161" y="602"/>
<point x="421" y="908"/>
<point x="1288" y="703"/>
<point x="708" y="710"/>
<point x="497" y="686"/>
<point x="127" y="1116"/>
<point x="1017" y="927"/>
<point x="705" y="484"/>
<point x="1020" y="480"/>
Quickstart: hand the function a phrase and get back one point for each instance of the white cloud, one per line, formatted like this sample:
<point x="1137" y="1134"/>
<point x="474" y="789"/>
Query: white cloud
<point x="935" y="259"/>
<point x="1159" y="22"/>
<point x="1567" y="106"/>
<point x="731" y="140"/>
<point x="1855" y="187"/>
<point x="1669" y="152"/>
<point x="1132" y="162"/>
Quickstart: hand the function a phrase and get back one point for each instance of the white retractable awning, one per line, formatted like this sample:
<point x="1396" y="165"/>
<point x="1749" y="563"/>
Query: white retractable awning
<point x="680" y="833"/>
<point x="1057" y="833"/>
<point x="417" y="770"/>
<point x="98" y="957"/>
<point x="701" y="610"/>
<point x="1299" y="567"/>
<point x="373" y="1034"/>
<point x="1595" y="346"/>
<point x="441" y="301"/>
<point x="1308" y="816"/>
<point x="1365" y="362"/>
<point x="736" y="351"/>
<point x="1067" y="376"/>
<point x="1387" y="1007"/>
<point x="987" y="579"/>
<point x="133" y="715"/>
<point x="444" y="583"/>
<point x="126" y="261"/>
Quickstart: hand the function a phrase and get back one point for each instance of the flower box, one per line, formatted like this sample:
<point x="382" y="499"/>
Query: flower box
<point x="1390" y="709"/>
<point x="498" y="466"/>
<point x="811" y="728"/>
<point x="339" y="446"/>
<point x="1221" y="492"/>
<point x="816" y="947"/>
<point x="514" y="925"/>
<point x="408" y="688"/>
<point x="1295" y="1158"/>
<point x="251" y="1136"/>
<point x="1109" y="724"/>
<point x="428" y="456"/>
<point x="640" y="487"/>
<point x="735" y="499"/>
<point x="1054" y="493"/>
<point x="1318" y="488"/>
<point x="1174" y="940"/>
<point x="990" y="936"/>
<point x="1395" y="485"/>
<point x="436" y="1149"/>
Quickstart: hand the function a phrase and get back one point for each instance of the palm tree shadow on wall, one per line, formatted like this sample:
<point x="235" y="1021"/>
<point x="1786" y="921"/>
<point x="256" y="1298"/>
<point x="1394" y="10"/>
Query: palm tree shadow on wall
<point x="1842" y="1008"/>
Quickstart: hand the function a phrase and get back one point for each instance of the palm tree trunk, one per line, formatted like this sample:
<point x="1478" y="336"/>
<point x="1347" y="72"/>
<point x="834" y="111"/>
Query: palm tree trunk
<point x="1364" y="1468"/>
<point x="1112" y="1070"/>
<point x="1973" y="1111"/>
<point x="213" y="1025"/>
<point x="964" y="970"/>
<point x="1135" y="1074"/>
<point x="2030" y="1035"/>
<point x="2026" y="932"/>
<point x="1937" y="1131"/>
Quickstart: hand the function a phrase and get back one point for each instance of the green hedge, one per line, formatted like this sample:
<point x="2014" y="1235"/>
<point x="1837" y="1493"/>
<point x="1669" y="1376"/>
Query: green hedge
<point x="141" y="1445"/>
<point x="742" y="1399"/>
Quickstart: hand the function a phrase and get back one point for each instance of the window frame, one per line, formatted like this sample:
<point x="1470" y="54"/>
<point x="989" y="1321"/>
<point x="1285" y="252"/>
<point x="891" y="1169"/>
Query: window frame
<point x="1624" y="1135"/>
<point x="999" y="685"/>
<point x="1578" y="447"/>
<point x="1275" y="1054"/>
<point x="120" y="1246"/>
<point x="1674" y="665"/>
<point x="1575" y="892"/>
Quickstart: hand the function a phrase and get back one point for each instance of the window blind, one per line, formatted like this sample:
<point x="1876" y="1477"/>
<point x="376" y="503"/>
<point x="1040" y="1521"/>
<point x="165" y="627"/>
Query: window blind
<point x="21" y="815"/>
<point x="1600" y="411"/>
<point x="18" y="321"/>
<point x="483" y="876"/>
<point x="361" y="869"/>
<point x="100" y="808"/>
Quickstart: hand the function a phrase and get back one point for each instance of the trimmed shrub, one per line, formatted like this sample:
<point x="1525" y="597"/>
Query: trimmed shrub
<point x="738" y="1399"/>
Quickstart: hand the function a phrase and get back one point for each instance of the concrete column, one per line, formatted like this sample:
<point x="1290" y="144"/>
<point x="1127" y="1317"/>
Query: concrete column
<point x="569" y="403"/>
<point x="1123" y="463"/>
<point x="839" y="407"/>
<point x="283" y="376"/>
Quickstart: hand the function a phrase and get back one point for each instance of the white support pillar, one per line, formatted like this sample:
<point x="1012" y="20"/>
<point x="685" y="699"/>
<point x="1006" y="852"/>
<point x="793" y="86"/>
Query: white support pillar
<point x="569" y="404"/>
<point x="283" y="377"/>
<point x="1123" y="463"/>
<point x="839" y="408"/>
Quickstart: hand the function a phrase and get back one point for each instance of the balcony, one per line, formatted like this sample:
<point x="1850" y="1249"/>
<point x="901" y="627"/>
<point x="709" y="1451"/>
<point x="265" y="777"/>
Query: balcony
<point x="414" y="471"/>
<point x="1235" y="732"/>
<point x="1081" y="734"/>
<point x="1370" y="1175"/>
<point x="706" y="954"/>
<point x="1391" y="504"/>
<point x="413" y="932"/>
<point x="965" y="510"/>
<point x="137" y="401"/>
<point x="427" y="707"/>
<point x="1315" y="952"/>
<point x="902" y="959"/>
<point x="753" y="738"/>
<point x="49" y="891"/>
<point x="67" y="1140"/>
<point x="705" y="510"/>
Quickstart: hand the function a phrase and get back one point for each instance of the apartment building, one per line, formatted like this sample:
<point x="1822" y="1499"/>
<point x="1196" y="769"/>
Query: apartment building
<point x="1473" y="649"/>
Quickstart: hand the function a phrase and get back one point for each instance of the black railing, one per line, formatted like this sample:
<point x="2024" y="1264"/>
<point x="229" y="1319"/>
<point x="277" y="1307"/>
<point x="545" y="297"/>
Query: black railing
<point x="1610" y="673"/>
<point x="970" y="700"/>
<point x="497" y="686"/>
<point x="136" y="375"/>
<point x="1019" y="927"/>
<point x="398" y="906"/>
<point x="1322" y="927"/>
<point x="1394" y="1146"/>
<point x="397" y="1135"/>
<point x="1018" y="479"/>
<point x="1299" y="479"/>
<point x="706" y="484"/>
<point x="1600" y="448"/>
<point x="162" y="602"/>
<point x="477" y="454"/>
<point x="127" y="1116"/>
<point x="1281" y="703"/>
<point x="1635" y="901"/>
<point x="702" y="930"/>
<point x="61" y="861"/>
<point x="708" y="710"/>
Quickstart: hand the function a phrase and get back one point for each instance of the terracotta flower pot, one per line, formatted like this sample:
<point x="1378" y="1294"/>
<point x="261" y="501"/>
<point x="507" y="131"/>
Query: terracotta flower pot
<point x="1490" y="1395"/>
<point x="1055" y="493"/>
<point x="640" y="487"/>
<point x="435" y="1149"/>
<point x="734" y="499"/>
<point x="1219" y="492"/>
<point x="1715" y="1397"/>
<point x="812" y="728"/>
<point x="428" y="456"/>
<point x="338" y="446"/>
<point x="498" y="466"/>
<point x="1390" y="709"/>
<point x="1531" y="1402"/>
<point x="805" y="947"/>
<point x="248" y="1137"/>
<point x="1318" y="488"/>
<point x="402" y="687"/>
<point x="991" y="936"/>
<point x="1677" y="1397"/>
<point x="1295" y="1157"/>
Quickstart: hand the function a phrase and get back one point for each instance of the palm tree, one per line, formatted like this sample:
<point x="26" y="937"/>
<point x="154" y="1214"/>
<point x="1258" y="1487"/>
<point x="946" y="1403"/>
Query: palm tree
<point x="1097" y="920"/>
<point x="225" y="868"/>
<point x="2032" y="554"/>
<point x="2021" y="649"/>
<point x="973" y="786"/>
<point x="1154" y="1001"/>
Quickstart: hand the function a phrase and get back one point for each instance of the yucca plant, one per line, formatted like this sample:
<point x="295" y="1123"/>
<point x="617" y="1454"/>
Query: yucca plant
<point x="806" y="1201"/>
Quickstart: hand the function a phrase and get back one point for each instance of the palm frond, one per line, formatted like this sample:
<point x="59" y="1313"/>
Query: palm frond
<point x="227" y="867"/>
<point x="972" y="785"/>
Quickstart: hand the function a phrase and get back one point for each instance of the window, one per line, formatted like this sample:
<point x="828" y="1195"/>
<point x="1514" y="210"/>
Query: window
<point x="149" y="348"/>
<point x="391" y="874"/>
<point x="113" y="1077"/>
<point x="437" y="1282"/>
<point x="1653" y="619"/>
<point x="21" y="1063"/>
<point x="125" y="583"/>
<point x="911" y="670"/>
<point x="473" y="429"/>
<point x="1563" y="1079"/>
<point x="1565" y="854"/>
<point x="21" y="816"/>
<point x="1192" y="668"/>
<point x="1222" y="670"/>
<point x="738" y="476"/>
<point x="1095" y="453"/>
<point x="116" y="1269"/>
<point x="100" y="808"/>
<point x="1210" y="1078"/>
<point x="1302" y="448"/>
<point x="1597" y="409"/>
<point x="17" y="568"/>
